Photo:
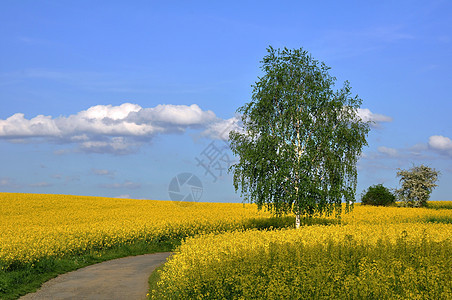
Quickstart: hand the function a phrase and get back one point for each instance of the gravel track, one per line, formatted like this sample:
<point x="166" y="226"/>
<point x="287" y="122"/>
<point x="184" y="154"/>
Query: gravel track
<point x="123" y="278"/>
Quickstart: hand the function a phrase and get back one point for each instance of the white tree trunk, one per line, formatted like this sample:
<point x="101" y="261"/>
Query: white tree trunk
<point x="297" y="220"/>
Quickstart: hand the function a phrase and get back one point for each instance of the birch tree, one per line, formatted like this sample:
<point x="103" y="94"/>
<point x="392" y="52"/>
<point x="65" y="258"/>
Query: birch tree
<point x="301" y="139"/>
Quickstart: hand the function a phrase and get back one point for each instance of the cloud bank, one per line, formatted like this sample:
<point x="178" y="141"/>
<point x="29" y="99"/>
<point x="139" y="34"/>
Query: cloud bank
<point x="367" y="116"/>
<point x="440" y="144"/>
<point x="115" y="129"/>
<point x="437" y="146"/>
<point x="387" y="151"/>
<point x="121" y="129"/>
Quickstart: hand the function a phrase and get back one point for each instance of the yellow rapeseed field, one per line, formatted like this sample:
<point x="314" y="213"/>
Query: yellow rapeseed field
<point x="373" y="253"/>
<point x="33" y="226"/>
<point x="402" y="261"/>
<point x="376" y="253"/>
<point x="366" y="214"/>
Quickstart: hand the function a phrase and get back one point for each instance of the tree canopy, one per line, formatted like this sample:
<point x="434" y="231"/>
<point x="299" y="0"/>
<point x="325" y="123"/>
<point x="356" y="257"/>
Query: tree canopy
<point x="301" y="139"/>
<point x="417" y="185"/>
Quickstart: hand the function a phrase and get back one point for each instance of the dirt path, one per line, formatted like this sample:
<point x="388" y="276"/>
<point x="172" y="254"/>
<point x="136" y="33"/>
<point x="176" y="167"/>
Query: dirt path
<point x="123" y="278"/>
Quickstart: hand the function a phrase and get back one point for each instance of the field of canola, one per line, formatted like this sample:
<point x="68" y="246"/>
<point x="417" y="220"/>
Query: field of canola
<point x="33" y="226"/>
<point x="375" y="253"/>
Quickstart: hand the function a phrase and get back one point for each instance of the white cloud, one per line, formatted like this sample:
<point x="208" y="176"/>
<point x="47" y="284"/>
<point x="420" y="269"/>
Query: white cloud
<point x="366" y="115"/>
<point x="419" y="152"/>
<point x="18" y="126"/>
<point x="127" y="184"/>
<point x="388" y="151"/>
<point x="40" y="184"/>
<point x="115" y="145"/>
<point x="175" y="115"/>
<point x="103" y="120"/>
<point x="61" y="151"/>
<point x="7" y="182"/>
<point x="418" y="149"/>
<point x="440" y="144"/>
<point x="112" y="129"/>
<point x="109" y="111"/>
<point x="103" y="172"/>
<point x="220" y="129"/>
<point x="124" y="196"/>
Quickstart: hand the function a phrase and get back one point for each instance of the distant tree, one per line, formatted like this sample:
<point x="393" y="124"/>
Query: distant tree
<point x="378" y="195"/>
<point x="417" y="185"/>
<point x="300" y="140"/>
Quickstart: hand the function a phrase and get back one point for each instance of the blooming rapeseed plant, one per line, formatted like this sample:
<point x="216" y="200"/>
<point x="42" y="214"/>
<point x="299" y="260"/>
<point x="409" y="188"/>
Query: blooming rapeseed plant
<point x="376" y="253"/>
<point x="33" y="226"/>
<point x="373" y="252"/>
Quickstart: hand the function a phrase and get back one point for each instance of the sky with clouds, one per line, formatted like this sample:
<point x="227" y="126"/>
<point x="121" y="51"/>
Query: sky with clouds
<point x="117" y="99"/>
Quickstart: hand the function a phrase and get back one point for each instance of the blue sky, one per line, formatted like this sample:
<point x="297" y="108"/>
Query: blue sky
<point x="116" y="98"/>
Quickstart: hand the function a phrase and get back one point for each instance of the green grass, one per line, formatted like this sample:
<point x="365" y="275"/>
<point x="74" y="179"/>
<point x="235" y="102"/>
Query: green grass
<point x="154" y="278"/>
<point x="440" y="219"/>
<point x="19" y="280"/>
<point x="287" y="222"/>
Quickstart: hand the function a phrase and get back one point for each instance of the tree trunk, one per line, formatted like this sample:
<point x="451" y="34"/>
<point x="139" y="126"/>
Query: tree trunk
<point x="297" y="220"/>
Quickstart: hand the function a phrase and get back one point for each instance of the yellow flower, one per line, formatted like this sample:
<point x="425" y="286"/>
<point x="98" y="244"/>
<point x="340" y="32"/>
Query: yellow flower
<point x="38" y="225"/>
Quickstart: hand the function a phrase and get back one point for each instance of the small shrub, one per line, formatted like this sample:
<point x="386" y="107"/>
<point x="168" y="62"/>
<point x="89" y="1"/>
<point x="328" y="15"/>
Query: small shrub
<point x="378" y="195"/>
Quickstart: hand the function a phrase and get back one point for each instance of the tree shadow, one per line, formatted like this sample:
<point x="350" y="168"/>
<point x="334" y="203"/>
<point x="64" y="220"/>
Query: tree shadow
<point x="287" y="222"/>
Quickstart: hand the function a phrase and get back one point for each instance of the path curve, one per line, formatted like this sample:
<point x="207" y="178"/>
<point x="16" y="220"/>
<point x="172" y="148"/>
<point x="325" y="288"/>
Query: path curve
<point x="123" y="278"/>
